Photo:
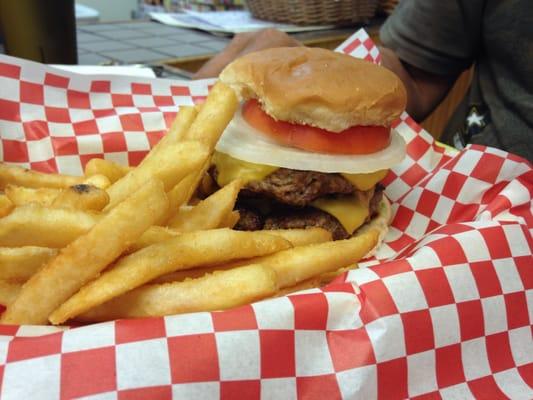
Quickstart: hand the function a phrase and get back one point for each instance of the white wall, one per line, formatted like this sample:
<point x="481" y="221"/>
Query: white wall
<point x="112" y="10"/>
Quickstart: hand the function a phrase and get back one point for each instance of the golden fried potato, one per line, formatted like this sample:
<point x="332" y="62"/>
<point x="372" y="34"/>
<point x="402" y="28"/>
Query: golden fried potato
<point x="153" y="235"/>
<point x="84" y="258"/>
<point x="181" y="193"/>
<point x="218" y="291"/>
<point x="314" y="282"/>
<point x="230" y="220"/>
<point x="82" y="197"/>
<point x="111" y="170"/>
<point x="13" y="175"/>
<point x="177" y="131"/>
<point x="9" y="291"/>
<point x="304" y="262"/>
<point x="214" y="115"/>
<point x="302" y="237"/>
<point x="170" y="165"/>
<point x="209" y="213"/>
<point x="20" y="263"/>
<point x="20" y="195"/>
<point x="297" y="237"/>
<point x="6" y="205"/>
<point x="34" y="225"/>
<point x="99" y="181"/>
<point x="301" y="262"/>
<point x="185" y="251"/>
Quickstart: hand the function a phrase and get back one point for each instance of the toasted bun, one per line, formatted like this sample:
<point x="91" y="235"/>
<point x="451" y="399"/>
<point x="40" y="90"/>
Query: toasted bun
<point x="317" y="87"/>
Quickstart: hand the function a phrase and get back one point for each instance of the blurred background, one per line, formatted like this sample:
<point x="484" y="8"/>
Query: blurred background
<point x="174" y="38"/>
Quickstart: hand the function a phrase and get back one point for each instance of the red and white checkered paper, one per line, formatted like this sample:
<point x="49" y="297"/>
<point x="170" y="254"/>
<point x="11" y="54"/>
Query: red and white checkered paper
<point x="444" y="311"/>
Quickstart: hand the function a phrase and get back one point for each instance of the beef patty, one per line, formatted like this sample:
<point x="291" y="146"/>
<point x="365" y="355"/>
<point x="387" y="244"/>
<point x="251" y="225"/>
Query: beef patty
<point x="281" y="201"/>
<point x="295" y="188"/>
<point x="279" y="216"/>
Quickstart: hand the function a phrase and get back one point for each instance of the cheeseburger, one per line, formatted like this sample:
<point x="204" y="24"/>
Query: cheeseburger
<point x="311" y="140"/>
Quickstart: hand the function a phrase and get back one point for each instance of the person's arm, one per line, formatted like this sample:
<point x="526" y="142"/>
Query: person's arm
<point x="244" y="43"/>
<point x="428" y="43"/>
<point x="425" y="90"/>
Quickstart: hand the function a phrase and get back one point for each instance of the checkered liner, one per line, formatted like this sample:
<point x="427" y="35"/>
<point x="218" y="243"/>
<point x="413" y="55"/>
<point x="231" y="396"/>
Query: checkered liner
<point x="444" y="311"/>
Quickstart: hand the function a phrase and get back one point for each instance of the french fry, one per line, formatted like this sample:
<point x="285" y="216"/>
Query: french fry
<point x="107" y="168"/>
<point x="314" y="282"/>
<point x="84" y="258"/>
<point x="209" y="213"/>
<point x="185" y="251"/>
<point x="34" y="225"/>
<point x="296" y="265"/>
<point x="230" y="220"/>
<point x="215" y="114"/>
<point x="327" y="277"/>
<point x="6" y="205"/>
<point x="302" y="237"/>
<point x="9" y="291"/>
<point x="304" y="262"/>
<point x="170" y="165"/>
<point x="299" y="263"/>
<point x="207" y="186"/>
<point x="99" y="181"/>
<point x="10" y="174"/>
<point x="20" y="263"/>
<point x="310" y="283"/>
<point x="82" y="197"/>
<point x="20" y="195"/>
<point x="184" y="190"/>
<point x="213" y="292"/>
<point x="177" y="131"/>
<point x="297" y="237"/>
<point x="193" y="273"/>
<point x="153" y="235"/>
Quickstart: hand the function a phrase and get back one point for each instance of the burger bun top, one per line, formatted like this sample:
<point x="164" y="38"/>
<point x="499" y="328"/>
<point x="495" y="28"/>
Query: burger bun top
<point x="317" y="87"/>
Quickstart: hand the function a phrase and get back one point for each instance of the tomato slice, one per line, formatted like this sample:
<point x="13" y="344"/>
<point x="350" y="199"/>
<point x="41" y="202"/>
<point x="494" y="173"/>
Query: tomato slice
<point x="354" y="140"/>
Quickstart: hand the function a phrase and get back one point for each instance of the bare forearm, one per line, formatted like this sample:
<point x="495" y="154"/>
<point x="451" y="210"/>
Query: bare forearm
<point x="424" y="90"/>
<point x="242" y="44"/>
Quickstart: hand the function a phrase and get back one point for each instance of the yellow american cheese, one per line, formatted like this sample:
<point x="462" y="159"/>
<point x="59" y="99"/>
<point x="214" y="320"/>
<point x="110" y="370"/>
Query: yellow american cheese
<point x="230" y="168"/>
<point x="349" y="210"/>
<point x="366" y="181"/>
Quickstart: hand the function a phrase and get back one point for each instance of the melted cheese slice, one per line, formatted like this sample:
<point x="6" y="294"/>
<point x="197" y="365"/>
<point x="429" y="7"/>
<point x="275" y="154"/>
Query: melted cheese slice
<point x="230" y="168"/>
<point x="366" y="181"/>
<point x="349" y="210"/>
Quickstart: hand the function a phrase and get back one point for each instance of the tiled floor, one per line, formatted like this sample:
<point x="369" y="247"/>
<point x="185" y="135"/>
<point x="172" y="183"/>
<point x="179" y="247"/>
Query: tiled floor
<point x="142" y="42"/>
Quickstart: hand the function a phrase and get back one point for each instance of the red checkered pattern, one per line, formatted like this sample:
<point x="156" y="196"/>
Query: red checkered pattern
<point x="445" y="310"/>
<point x="55" y="121"/>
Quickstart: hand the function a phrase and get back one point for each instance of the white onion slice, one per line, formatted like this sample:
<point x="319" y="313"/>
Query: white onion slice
<point x="244" y="142"/>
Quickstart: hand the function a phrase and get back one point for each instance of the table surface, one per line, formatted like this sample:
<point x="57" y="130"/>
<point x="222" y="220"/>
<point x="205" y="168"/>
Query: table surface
<point x="151" y="42"/>
<point x="142" y="42"/>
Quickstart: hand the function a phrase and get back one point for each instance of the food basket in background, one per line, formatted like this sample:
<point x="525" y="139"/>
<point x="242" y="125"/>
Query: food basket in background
<point x="314" y="12"/>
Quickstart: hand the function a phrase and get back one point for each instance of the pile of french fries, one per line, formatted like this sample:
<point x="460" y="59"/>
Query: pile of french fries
<point x="125" y="242"/>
